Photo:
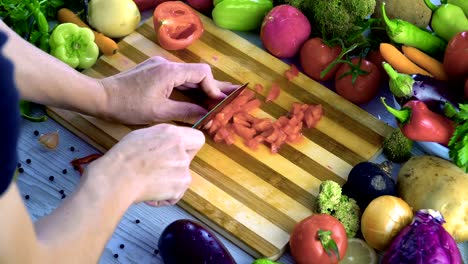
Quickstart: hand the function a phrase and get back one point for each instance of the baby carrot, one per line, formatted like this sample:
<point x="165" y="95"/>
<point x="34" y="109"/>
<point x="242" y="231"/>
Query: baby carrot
<point x="425" y="61"/>
<point x="399" y="61"/>
<point x="105" y="44"/>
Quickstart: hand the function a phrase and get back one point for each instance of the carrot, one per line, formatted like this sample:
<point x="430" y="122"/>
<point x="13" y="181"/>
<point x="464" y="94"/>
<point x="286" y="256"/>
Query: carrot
<point x="399" y="61"/>
<point x="106" y="45"/>
<point x="431" y="65"/>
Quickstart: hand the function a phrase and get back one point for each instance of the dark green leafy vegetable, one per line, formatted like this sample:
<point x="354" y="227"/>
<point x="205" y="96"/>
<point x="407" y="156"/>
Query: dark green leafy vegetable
<point x="458" y="144"/>
<point x="30" y="18"/>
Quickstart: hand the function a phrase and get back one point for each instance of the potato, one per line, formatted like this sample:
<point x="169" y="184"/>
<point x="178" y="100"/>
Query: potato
<point x="413" y="11"/>
<point x="427" y="182"/>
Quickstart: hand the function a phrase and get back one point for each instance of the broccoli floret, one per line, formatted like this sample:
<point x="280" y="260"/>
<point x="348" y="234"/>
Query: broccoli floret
<point x="348" y="213"/>
<point x="396" y="147"/>
<point x="335" y="18"/>
<point x="329" y="196"/>
<point x="265" y="261"/>
<point x="331" y="201"/>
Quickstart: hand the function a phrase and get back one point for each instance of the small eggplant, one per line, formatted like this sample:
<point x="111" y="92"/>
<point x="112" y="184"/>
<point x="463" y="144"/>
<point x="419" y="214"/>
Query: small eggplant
<point x="434" y="93"/>
<point x="367" y="181"/>
<point x="186" y="241"/>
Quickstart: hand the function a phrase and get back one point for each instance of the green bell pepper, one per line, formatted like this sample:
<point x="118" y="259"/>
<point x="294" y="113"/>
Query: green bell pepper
<point x="447" y="20"/>
<point x="74" y="45"/>
<point x="25" y="111"/>
<point x="463" y="4"/>
<point x="240" y="15"/>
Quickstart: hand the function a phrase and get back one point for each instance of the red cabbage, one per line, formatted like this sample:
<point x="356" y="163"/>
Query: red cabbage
<point x="425" y="240"/>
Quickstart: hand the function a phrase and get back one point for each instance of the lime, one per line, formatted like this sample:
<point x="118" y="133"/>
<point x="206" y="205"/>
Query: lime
<point x="359" y="252"/>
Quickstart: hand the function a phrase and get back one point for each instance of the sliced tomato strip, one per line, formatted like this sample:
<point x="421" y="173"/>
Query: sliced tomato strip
<point x="244" y="132"/>
<point x="273" y="93"/>
<point x="251" y="105"/>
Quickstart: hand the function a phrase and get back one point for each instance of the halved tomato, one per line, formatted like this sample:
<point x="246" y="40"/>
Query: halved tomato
<point x="177" y="25"/>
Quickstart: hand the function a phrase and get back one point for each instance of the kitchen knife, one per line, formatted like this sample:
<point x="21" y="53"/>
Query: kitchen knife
<point x="220" y="106"/>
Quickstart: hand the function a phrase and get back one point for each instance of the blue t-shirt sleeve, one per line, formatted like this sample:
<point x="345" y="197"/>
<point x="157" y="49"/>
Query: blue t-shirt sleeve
<point x="9" y="108"/>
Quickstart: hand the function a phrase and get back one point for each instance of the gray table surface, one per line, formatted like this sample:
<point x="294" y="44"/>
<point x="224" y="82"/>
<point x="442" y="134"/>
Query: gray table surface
<point x="140" y="240"/>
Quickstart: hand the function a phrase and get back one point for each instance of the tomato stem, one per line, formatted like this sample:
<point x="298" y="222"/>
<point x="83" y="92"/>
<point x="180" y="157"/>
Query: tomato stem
<point x="355" y="71"/>
<point x="344" y="51"/>
<point x="328" y="244"/>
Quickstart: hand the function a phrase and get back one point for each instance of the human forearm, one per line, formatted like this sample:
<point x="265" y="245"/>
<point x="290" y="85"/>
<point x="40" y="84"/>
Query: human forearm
<point x="43" y="79"/>
<point x="79" y="229"/>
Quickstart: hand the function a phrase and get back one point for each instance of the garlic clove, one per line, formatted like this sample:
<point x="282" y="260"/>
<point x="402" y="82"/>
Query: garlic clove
<point x="50" y="140"/>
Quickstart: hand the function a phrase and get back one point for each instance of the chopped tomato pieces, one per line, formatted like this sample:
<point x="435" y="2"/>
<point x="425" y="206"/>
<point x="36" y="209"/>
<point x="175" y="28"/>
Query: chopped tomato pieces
<point x="291" y="73"/>
<point x="273" y="93"/>
<point x="235" y="119"/>
<point x="258" y="88"/>
<point x="251" y="105"/>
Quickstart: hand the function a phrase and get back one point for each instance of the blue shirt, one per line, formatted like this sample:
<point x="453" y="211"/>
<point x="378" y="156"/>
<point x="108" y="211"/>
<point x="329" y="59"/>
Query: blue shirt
<point x="10" y="119"/>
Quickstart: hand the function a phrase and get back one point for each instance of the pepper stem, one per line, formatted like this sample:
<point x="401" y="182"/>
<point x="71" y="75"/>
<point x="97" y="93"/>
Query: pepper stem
<point x="401" y="85"/>
<point x="391" y="25"/>
<point x="328" y="244"/>
<point x="430" y="5"/>
<point x="403" y="115"/>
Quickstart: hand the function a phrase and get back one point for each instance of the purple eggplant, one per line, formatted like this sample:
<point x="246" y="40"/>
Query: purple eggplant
<point x="434" y="93"/>
<point x="186" y="241"/>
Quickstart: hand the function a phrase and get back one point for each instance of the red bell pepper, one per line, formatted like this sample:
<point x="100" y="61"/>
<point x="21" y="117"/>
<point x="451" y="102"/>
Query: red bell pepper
<point x="418" y="123"/>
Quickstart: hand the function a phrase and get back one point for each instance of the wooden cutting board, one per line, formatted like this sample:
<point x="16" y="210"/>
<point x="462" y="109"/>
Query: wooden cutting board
<point x="254" y="198"/>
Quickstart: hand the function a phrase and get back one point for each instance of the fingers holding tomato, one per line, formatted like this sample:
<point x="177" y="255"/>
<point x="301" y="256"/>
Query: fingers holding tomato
<point x="177" y="25"/>
<point x="359" y="82"/>
<point x="319" y="238"/>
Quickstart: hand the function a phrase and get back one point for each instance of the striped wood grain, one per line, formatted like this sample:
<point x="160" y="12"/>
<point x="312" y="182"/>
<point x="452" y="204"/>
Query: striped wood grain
<point x="252" y="197"/>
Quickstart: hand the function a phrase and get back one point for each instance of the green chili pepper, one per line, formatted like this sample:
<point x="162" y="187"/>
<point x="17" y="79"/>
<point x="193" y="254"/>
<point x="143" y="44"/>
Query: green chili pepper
<point x="403" y="32"/>
<point x="447" y="20"/>
<point x="463" y="4"/>
<point x="42" y="25"/>
<point x="74" y="45"/>
<point x="240" y="15"/>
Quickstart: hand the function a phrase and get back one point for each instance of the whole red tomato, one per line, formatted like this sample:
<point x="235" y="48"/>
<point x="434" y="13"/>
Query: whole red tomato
<point x="315" y="56"/>
<point x="456" y="56"/>
<point x="177" y="25"/>
<point x="307" y="240"/>
<point x="366" y="84"/>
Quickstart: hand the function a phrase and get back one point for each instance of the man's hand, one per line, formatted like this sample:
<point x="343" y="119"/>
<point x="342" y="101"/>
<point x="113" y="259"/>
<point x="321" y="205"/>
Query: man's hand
<point x="152" y="163"/>
<point x="141" y="94"/>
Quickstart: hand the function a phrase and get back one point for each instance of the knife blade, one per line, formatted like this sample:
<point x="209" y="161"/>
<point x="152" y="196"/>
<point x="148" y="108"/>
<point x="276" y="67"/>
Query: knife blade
<point x="219" y="107"/>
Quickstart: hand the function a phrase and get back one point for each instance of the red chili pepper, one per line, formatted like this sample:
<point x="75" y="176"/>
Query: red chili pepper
<point x="418" y="123"/>
<point x="77" y="163"/>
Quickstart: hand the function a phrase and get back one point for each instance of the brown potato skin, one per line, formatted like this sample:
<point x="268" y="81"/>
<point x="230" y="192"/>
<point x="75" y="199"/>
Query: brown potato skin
<point x="413" y="11"/>
<point x="428" y="182"/>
